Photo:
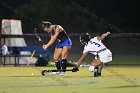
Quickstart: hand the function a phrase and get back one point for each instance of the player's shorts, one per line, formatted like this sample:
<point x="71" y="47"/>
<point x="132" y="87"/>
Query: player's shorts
<point x="67" y="42"/>
<point x="105" y="56"/>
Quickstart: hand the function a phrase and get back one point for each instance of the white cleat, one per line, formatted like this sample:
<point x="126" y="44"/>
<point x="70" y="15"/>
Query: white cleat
<point x="62" y="74"/>
<point x="55" y="73"/>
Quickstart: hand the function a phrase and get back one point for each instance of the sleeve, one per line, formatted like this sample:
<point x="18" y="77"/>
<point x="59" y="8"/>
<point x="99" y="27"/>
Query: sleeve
<point x="85" y="49"/>
<point x="97" y="39"/>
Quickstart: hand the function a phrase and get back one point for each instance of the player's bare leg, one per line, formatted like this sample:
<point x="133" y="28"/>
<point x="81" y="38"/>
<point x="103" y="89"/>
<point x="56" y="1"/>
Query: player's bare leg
<point x="96" y="62"/>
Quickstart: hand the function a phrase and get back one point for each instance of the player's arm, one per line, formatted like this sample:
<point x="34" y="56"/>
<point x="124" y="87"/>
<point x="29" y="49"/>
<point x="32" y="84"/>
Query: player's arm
<point x="53" y="38"/>
<point x="81" y="59"/>
<point x="75" y="69"/>
<point x="103" y="36"/>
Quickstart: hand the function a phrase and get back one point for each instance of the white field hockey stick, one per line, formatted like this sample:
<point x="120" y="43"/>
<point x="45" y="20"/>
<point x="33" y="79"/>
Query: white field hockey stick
<point x="31" y="57"/>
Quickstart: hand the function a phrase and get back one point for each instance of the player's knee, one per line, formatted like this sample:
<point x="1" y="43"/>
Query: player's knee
<point x="55" y="59"/>
<point x="91" y="68"/>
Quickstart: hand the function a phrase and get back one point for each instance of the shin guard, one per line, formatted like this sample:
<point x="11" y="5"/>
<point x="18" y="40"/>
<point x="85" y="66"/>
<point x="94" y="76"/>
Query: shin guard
<point x="58" y="65"/>
<point x="64" y="64"/>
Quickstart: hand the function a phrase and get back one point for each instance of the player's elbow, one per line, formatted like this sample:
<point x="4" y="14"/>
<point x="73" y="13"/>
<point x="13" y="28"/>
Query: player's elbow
<point x="53" y="39"/>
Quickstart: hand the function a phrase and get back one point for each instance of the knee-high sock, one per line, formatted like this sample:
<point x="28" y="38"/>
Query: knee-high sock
<point x="64" y="64"/>
<point x="58" y="65"/>
<point x="100" y="67"/>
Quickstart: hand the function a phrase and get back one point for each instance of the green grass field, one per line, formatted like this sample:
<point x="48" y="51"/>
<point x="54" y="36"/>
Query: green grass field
<point x="115" y="79"/>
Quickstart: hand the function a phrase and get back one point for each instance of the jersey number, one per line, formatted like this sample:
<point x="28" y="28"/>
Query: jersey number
<point x="95" y="43"/>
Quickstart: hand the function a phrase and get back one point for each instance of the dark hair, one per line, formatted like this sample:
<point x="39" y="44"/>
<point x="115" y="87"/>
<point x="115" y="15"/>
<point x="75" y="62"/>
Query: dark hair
<point x="46" y="24"/>
<point x="84" y="38"/>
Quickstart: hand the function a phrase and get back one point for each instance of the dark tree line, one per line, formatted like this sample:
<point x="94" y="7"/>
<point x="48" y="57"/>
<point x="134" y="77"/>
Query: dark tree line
<point x="78" y="15"/>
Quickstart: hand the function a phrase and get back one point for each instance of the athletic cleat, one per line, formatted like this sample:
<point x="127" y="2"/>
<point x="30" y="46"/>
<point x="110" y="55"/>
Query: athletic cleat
<point x="95" y="74"/>
<point x="62" y="74"/>
<point x="99" y="74"/>
<point x="55" y="73"/>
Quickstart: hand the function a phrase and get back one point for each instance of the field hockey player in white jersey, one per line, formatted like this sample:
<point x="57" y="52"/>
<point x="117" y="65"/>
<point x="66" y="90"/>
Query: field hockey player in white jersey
<point x="97" y="48"/>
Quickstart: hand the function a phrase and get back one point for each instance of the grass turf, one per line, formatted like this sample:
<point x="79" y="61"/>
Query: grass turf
<point x="115" y="79"/>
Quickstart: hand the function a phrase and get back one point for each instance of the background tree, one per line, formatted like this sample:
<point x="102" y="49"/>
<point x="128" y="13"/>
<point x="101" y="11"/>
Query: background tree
<point x="78" y="15"/>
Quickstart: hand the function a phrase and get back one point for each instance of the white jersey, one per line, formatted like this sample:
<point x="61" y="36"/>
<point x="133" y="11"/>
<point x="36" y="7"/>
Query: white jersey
<point x="94" y="45"/>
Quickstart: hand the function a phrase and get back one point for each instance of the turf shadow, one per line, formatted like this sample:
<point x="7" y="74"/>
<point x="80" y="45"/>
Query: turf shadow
<point x="128" y="86"/>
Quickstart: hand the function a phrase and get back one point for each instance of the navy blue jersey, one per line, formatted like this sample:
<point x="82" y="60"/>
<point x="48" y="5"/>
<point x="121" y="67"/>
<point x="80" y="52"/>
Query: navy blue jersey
<point x="62" y="35"/>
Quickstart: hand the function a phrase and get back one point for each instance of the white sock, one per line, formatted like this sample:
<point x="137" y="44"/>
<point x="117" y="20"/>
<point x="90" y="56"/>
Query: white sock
<point x="91" y="68"/>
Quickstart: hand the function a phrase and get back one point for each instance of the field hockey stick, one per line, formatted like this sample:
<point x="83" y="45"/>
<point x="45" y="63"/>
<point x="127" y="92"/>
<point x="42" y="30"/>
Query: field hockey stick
<point x="40" y="41"/>
<point x="38" y="37"/>
<point x="44" y="72"/>
<point x="33" y="53"/>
